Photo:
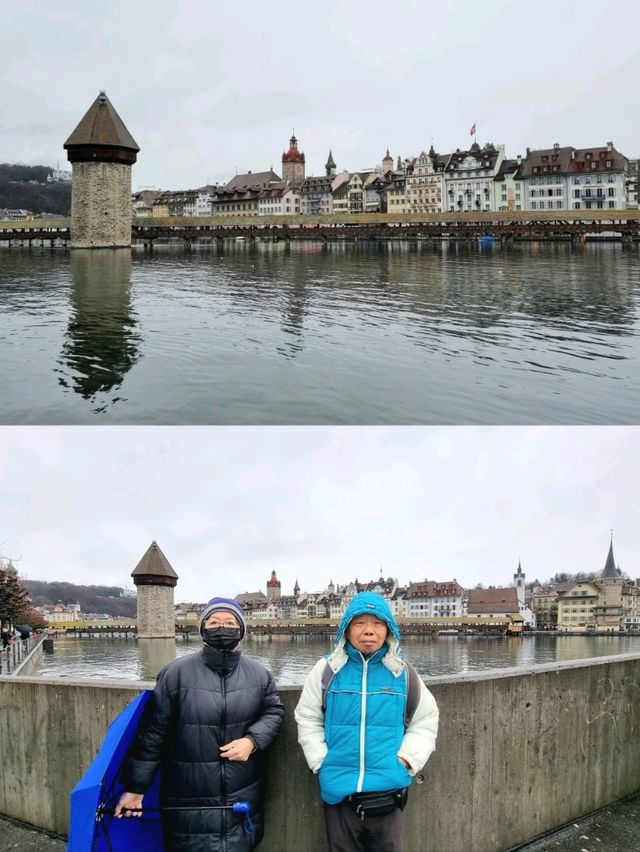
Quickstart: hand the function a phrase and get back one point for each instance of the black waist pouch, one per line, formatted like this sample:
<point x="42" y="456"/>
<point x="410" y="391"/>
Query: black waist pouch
<point x="378" y="804"/>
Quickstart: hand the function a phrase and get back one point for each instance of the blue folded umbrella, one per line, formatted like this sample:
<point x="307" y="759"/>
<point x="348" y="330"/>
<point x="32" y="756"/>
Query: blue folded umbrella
<point x="93" y="828"/>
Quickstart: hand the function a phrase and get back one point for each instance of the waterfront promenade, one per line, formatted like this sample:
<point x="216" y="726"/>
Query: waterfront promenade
<point x="520" y="753"/>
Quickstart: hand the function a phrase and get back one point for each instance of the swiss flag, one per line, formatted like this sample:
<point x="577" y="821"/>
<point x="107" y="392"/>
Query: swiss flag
<point x="472" y="131"/>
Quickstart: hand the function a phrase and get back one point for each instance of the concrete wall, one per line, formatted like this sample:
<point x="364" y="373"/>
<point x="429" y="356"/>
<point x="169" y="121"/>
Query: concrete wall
<point x="520" y="752"/>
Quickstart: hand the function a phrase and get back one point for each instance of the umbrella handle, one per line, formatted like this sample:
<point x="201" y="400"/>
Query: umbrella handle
<point x="241" y="807"/>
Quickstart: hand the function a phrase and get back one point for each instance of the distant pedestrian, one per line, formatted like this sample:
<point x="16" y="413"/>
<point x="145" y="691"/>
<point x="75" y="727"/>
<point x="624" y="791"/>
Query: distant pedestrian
<point x="5" y="637"/>
<point x="211" y="718"/>
<point x="367" y="724"/>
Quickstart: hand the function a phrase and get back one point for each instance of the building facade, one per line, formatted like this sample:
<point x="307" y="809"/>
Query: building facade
<point x="469" y="178"/>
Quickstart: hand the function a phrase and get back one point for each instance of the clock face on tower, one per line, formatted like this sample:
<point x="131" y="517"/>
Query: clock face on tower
<point x="298" y="169"/>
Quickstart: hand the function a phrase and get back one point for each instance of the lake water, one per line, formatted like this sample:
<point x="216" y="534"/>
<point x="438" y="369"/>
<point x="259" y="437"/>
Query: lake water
<point x="346" y="333"/>
<point x="290" y="659"/>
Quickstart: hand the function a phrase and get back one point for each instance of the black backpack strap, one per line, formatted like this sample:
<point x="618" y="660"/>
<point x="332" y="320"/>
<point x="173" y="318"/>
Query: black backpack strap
<point x="413" y="693"/>
<point x="327" y="676"/>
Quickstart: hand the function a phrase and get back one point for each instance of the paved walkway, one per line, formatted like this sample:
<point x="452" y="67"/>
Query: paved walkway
<point x="613" y="829"/>
<point x="18" y="837"/>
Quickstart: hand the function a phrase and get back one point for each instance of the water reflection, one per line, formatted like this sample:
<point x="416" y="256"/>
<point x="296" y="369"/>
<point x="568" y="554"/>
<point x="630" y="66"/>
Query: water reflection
<point x="101" y="344"/>
<point x="153" y="655"/>
<point x="344" y="333"/>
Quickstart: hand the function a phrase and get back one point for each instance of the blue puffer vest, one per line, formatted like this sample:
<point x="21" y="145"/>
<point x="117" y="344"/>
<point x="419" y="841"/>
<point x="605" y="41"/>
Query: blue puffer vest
<point x="364" y="719"/>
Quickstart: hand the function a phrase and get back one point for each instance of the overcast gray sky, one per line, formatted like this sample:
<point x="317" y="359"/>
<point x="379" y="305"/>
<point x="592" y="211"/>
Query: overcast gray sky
<point x="207" y="88"/>
<point x="229" y="504"/>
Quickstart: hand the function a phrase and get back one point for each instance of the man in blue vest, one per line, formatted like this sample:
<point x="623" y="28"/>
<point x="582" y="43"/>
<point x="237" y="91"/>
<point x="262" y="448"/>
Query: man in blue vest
<point x="366" y="724"/>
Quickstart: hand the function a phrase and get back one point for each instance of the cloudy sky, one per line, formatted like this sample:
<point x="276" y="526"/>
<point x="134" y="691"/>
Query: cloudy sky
<point x="228" y="505"/>
<point x="210" y="88"/>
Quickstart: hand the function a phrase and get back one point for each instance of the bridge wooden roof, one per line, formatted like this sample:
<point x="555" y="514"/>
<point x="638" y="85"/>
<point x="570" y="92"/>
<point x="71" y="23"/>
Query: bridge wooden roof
<point x="101" y="125"/>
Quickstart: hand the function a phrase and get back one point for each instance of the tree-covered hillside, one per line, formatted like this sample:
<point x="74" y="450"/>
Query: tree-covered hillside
<point x="107" y="599"/>
<point x="26" y="188"/>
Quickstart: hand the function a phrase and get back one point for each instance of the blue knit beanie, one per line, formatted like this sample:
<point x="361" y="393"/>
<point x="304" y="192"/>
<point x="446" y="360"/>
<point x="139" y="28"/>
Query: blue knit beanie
<point x="224" y="605"/>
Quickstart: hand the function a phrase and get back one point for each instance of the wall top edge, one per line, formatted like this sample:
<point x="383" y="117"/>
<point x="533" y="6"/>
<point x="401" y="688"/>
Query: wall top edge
<point x="477" y="676"/>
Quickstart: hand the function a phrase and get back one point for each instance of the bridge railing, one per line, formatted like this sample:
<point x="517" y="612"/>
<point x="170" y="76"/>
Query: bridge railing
<point x="12" y="657"/>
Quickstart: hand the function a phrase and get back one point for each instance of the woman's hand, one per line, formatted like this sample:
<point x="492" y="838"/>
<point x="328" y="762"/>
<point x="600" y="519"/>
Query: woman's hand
<point x="130" y="804"/>
<point x="238" y="749"/>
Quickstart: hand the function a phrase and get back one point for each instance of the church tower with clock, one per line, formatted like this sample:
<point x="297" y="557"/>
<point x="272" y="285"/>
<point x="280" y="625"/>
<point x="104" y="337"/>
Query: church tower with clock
<point x="293" y="163"/>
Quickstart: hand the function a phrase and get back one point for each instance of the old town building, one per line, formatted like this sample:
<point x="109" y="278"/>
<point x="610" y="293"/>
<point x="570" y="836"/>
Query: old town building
<point x="469" y="178"/>
<point x="567" y="178"/>
<point x="424" y="186"/>
<point x="430" y="598"/>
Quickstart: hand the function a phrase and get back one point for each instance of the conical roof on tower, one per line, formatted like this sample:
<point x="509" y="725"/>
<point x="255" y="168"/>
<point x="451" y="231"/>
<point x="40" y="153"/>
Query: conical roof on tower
<point x="101" y="125"/>
<point x="154" y="566"/>
<point x="330" y="162"/>
<point x="610" y="572"/>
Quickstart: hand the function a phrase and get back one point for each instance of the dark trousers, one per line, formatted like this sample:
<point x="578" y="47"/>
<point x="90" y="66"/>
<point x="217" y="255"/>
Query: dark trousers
<point x="347" y="832"/>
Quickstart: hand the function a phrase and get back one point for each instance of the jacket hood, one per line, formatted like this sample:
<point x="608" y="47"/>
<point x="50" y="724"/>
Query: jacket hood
<point x="369" y="603"/>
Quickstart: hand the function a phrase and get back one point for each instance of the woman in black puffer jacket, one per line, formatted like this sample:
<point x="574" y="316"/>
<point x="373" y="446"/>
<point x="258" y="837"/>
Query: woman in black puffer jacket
<point x="211" y="718"/>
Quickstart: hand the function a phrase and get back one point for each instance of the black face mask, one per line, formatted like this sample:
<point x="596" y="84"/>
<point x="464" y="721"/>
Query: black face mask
<point x="222" y="638"/>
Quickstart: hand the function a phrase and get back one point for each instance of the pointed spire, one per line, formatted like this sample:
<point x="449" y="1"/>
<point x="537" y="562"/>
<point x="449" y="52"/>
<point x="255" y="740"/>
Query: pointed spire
<point x="610" y="572"/>
<point x="330" y="162"/>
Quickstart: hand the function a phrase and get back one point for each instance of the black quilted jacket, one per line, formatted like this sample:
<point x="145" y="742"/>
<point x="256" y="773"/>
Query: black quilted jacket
<point x="202" y="701"/>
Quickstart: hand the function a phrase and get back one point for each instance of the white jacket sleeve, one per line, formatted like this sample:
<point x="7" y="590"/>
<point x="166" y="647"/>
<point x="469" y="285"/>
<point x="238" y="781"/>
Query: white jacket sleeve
<point x="310" y="718"/>
<point x="420" y="737"/>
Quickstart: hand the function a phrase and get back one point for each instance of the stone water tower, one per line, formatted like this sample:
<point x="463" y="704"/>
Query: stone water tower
<point x="155" y="581"/>
<point x="101" y="151"/>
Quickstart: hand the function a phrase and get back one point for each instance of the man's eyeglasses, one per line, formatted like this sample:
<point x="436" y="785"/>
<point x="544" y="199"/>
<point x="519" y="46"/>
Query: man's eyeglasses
<point x="228" y="624"/>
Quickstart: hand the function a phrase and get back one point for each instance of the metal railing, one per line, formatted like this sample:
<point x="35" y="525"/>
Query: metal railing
<point x="17" y="652"/>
